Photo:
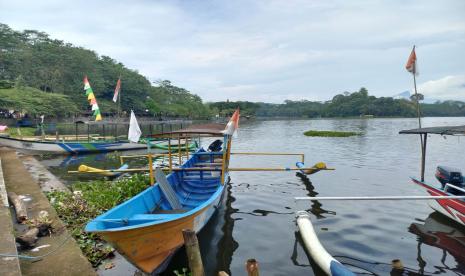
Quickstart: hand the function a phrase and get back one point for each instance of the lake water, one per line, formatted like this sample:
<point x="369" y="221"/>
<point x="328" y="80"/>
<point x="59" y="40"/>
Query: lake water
<point x="257" y="218"/>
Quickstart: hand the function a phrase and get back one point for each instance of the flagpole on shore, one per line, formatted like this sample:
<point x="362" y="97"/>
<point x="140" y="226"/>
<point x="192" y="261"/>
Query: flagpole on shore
<point x="119" y="101"/>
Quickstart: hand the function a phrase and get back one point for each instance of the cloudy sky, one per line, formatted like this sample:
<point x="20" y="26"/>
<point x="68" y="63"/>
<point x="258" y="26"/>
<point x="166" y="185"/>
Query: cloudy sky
<point x="266" y="50"/>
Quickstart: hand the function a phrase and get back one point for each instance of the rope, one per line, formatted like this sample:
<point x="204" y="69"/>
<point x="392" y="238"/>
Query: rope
<point x="35" y="258"/>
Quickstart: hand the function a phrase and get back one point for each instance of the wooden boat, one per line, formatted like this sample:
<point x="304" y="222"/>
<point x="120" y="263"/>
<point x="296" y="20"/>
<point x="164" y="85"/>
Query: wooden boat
<point x="451" y="179"/>
<point x="147" y="229"/>
<point x="35" y="145"/>
<point x="163" y="145"/>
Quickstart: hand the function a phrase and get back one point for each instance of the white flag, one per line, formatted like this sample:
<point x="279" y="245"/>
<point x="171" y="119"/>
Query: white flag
<point x="134" y="130"/>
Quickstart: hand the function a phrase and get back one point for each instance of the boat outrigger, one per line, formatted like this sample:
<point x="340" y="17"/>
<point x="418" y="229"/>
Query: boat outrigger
<point x="451" y="179"/>
<point x="147" y="229"/>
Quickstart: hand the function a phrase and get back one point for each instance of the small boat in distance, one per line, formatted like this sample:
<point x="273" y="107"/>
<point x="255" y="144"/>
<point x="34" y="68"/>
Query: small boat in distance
<point x="451" y="180"/>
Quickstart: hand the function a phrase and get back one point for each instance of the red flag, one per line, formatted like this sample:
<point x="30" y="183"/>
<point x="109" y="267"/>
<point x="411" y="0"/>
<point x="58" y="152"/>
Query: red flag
<point x="411" y="65"/>
<point x="233" y="124"/>
<point x="117" y="89"/>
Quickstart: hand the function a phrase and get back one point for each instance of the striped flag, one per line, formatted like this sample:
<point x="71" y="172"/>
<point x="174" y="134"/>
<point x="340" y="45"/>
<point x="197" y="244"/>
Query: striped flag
<point x="117" y="89"/>
<point x="92" y="100"/>
<point x="412" y="65"/>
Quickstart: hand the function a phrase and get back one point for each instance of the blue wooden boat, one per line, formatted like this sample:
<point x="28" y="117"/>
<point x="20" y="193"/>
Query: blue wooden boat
<point x="147" y="229"/>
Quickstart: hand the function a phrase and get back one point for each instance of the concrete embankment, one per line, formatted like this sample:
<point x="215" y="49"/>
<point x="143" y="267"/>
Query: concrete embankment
<point x="66" y="257"/>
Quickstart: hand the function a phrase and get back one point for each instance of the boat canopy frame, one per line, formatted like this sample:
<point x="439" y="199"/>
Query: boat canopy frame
<point x="423" y="132"/>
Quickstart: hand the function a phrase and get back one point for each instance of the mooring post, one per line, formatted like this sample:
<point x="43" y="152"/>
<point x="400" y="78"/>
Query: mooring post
<point x="251" y="266"/>
<point x="193" y="252"/>
<point x="152" y="180"/>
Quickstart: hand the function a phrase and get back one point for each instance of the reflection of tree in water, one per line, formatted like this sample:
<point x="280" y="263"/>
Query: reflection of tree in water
<point x="316" y="208"/>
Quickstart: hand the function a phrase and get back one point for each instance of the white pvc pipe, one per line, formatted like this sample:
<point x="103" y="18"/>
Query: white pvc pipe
<point x="378" y="197"/>
<point x="318" y="253"/>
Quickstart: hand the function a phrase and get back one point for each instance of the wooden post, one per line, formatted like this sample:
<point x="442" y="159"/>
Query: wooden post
<point x="57" y="136"/>
<point x="88" y="134"/>
<point x="193" y="252"/>
<point x="20" y="207"/>
<point x="169" y="155"/>
<point x="179" y="150"/>
<point x="423" y="157"/>
<point x="251" y="266"/>
<point x="152" y="180"/>
<point x="116" y="131"/>
<point x="187" y="148"/>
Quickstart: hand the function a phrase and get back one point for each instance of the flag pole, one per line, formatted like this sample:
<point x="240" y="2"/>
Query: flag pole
<point x="422" y="141"/>
<point x="416" y="93"/>
<point x="119" y="101"/>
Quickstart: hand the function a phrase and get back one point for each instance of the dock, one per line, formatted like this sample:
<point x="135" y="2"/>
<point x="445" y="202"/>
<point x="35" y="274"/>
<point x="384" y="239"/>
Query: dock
<point x="65" y="256"/>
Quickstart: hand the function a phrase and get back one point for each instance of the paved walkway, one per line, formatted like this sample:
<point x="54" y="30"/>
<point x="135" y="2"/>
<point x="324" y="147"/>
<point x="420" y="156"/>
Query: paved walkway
<point x="68" y="259"/>
<point x="9" y="266"/>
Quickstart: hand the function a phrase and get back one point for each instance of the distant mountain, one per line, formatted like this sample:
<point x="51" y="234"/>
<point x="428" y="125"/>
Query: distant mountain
<point x="406" y="95"/>
<point x="403" y="95"/>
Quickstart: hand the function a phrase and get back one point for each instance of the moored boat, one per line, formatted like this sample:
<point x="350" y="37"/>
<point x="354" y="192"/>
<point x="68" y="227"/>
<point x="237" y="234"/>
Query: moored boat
<point x="147" y="229"/>
<point x="451" y="180"/>
<point x="36" y="145"/>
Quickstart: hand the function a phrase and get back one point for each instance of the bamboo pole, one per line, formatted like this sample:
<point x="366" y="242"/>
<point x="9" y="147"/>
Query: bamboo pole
<point x="225" y="154"/>
<point x="193" y="252"/>
<point x="274" y="169"/>
<point x="169" y="154"/>
<point x="179" y="149"/>
<point x="152" y="180"/>
<point x="187" y="148"/>
<point x="216" y="168"/>
<point x="378" y="197"/>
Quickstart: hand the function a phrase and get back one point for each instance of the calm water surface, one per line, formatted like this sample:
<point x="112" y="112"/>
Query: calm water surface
<point x="257" y="217"/>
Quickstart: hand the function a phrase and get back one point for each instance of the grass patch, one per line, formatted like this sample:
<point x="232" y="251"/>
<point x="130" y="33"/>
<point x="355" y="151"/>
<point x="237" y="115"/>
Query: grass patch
<point x="88" y="200"/>
<point x="327" y="133"/>
<point x="25" y="131"/>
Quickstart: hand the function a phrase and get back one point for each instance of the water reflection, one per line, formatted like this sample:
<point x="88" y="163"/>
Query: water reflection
<point x="445" y="234"/>
<point x="316" y="207"/>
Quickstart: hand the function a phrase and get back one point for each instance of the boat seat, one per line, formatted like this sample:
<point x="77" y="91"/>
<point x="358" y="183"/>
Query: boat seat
<point x="167" y="190"/>
<point x="177" y="211"/>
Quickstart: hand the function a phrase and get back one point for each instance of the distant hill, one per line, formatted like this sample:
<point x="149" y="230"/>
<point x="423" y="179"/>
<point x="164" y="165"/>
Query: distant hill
<point x="53" y="66"/>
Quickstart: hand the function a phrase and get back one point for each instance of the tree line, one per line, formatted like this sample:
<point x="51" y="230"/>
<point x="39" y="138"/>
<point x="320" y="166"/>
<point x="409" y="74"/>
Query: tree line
<point x="355" y="104"/>
<point x="41" y="75"/>
<point x="31" y="59"/>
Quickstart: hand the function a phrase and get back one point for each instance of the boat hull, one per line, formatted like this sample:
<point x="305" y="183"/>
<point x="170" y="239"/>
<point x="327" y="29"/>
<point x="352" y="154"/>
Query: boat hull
<point x="67" y="147"/>
<point x="147" y="248"/>
<point x="452" y="208"/>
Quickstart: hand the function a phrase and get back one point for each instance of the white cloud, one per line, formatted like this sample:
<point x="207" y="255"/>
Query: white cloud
<point x="447" y="88"/>
<point x="261" y="50"/>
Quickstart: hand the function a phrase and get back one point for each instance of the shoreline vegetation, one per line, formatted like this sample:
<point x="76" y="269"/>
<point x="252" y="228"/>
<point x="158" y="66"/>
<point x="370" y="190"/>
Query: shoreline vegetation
<point x="87" y="201"/>
<point x="44" y="76"/>
<point x="327" y="133"/>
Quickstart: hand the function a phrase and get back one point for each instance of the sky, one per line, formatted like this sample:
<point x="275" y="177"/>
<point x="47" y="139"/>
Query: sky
<point x="266" y="51"/>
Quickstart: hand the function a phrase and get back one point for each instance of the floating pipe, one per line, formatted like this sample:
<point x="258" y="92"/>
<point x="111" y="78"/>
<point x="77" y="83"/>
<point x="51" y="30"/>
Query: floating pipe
<point x="318" y="253"/>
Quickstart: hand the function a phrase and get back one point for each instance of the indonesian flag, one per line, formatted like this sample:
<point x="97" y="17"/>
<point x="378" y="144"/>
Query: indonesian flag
<point x="233" y="124"/>
<point x="117" y="89"/>
<point x="411" y="65"/>
<point x="86" y="83"/>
